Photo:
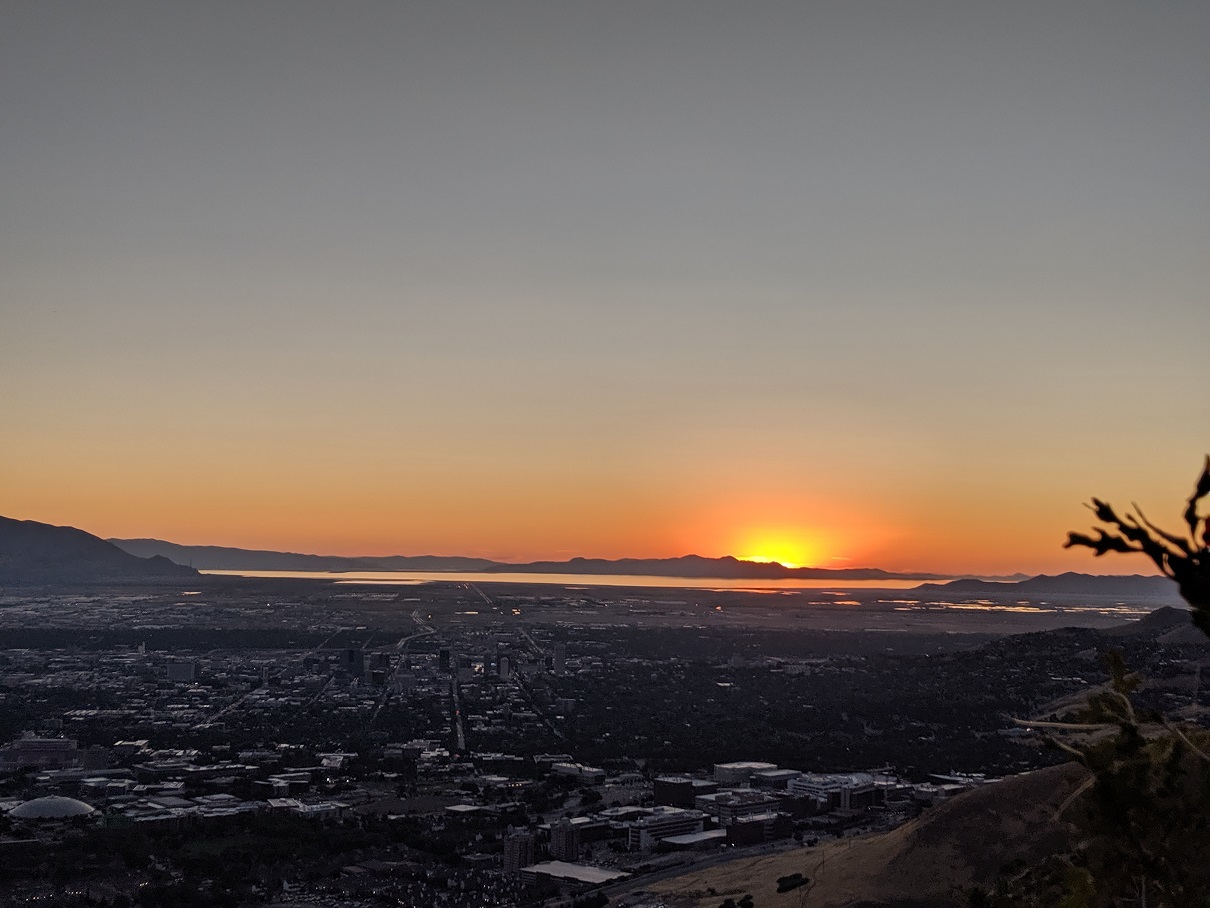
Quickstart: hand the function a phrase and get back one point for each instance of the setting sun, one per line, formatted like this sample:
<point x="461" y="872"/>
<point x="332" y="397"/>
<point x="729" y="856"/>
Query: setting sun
<point x="789" y="547"/>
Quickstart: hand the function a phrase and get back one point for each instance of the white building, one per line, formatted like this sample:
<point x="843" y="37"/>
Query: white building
<point x="729" y="805"/>
<point x="740" y="772"/>
<point x="661" y="823"/>
<point x="40" y="753"/>
<point x="836" y="790"/>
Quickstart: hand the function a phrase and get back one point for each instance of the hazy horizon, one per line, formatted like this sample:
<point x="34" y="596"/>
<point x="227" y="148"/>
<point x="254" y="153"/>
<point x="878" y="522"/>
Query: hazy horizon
<point x="1105" y="568"/>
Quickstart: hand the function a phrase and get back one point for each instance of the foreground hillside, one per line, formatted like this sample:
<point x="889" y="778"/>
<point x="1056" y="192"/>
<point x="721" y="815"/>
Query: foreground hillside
<point x="936" y="860"/>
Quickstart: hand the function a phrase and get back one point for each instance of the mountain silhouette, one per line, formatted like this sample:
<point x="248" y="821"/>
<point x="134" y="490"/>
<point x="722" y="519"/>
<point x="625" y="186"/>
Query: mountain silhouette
<point x="42" y="554"/>
<point x="228" y="558"/>
<point x="728" y="567"/>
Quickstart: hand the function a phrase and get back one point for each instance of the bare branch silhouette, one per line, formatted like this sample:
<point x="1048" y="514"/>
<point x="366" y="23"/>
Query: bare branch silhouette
<point x="1185" y="560"/>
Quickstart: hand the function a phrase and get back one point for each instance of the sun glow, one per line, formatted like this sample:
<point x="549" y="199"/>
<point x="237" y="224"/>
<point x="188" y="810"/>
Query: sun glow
<point x="771" y="559"/>
<point x="791" y="548"/>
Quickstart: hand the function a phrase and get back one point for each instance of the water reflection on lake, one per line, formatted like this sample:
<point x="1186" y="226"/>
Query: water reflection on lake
<point x="404" y="578"/>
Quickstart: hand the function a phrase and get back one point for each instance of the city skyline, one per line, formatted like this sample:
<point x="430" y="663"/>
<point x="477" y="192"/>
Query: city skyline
<point x="840" y="285"/>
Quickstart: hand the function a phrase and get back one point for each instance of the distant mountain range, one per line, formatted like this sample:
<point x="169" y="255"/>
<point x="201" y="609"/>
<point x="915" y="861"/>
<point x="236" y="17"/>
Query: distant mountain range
<point x="225" y="558"/>
<point x="222" y="558"/>
<point x="41" y="554"/>
<point x="725" y="568"/>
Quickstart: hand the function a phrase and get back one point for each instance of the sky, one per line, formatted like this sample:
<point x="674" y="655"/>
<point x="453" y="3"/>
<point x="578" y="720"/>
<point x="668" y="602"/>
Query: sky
<point x="845" y="284"/>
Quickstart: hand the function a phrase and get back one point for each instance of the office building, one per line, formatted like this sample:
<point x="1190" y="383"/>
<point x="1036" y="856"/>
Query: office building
<point x="564" y="841"/>
<point x="518" y="852"/>
<point x="661" y="823"/>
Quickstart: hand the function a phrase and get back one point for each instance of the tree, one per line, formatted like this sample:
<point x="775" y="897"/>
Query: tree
<point x="1184" y="559"/>
<point x="589" y="796"/>
<point x="1148" y="822"/>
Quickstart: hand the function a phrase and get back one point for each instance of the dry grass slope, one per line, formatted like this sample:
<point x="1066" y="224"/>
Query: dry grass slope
<point x="932" y="861"/>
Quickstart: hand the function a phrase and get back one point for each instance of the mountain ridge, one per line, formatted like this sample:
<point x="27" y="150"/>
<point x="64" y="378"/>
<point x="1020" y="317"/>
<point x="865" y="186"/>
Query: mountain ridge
<point x="936" y="860"/>
<point x="728" y="567"/>
<point x="230" y="558"/>
<point x="41" y="553"/>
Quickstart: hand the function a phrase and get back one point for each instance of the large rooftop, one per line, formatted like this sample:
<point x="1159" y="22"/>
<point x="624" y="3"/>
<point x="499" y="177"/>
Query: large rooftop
<point x="52" y="807"/>
<point x="581" y="873"/>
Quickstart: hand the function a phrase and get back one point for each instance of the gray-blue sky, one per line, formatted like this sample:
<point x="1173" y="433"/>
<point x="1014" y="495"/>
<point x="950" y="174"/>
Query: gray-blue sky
<point x="638" y="244"/>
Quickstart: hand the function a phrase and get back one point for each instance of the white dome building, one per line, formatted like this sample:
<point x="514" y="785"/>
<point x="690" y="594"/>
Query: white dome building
<point x="52" y="808"/>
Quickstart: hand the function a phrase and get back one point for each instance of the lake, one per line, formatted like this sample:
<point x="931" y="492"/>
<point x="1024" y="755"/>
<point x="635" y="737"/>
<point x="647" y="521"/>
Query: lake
<point x="405" y="578"/>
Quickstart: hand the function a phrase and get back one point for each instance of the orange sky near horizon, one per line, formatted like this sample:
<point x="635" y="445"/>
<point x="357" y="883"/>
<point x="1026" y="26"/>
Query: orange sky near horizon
<point x="970" y="528"/>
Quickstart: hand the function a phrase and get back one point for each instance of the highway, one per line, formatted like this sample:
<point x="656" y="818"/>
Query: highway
<point x="401" y="647"/>
<point x="458" y="730"/>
